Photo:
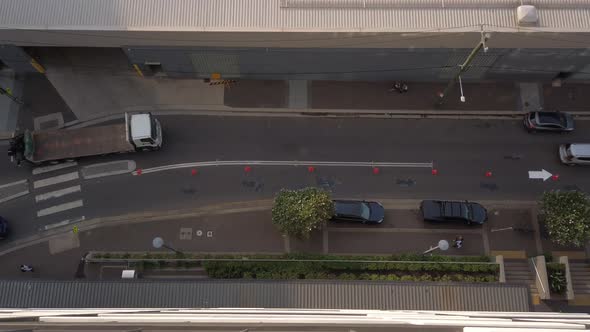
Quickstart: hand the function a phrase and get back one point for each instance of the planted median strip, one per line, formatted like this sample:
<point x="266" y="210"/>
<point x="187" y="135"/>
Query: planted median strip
<point x="313" y="267"/>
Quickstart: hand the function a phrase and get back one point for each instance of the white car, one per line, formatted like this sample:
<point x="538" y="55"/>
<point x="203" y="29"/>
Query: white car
<point x="575" y="153"/>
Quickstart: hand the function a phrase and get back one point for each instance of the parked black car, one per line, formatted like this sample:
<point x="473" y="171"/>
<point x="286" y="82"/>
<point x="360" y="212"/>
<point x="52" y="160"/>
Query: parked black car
<point x="358" y="211"/>
<point x="445" y="211"/>
<point x="549" y="121"/>
<point x="3" y="228"/>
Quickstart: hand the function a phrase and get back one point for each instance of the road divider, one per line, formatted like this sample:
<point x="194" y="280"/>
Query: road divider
<point x="311" y="165"/>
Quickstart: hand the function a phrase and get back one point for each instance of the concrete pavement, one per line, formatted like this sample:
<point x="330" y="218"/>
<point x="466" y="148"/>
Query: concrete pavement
<point x="232" y="231"/>
<point x="9" y="109"/>
<point x="92" y="91"/>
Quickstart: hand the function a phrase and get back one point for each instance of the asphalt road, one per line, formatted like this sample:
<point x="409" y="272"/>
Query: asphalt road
<point x="462" y="152"/>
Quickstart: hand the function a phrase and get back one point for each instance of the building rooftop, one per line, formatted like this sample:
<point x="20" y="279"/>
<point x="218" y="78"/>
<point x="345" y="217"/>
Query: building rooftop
<point x="264" y="294"/>
<point x="299" y="22"/>
<point x="288" y="15"/>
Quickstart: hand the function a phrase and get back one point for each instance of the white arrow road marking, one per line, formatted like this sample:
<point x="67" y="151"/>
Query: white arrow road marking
<point x="543" y="174"/>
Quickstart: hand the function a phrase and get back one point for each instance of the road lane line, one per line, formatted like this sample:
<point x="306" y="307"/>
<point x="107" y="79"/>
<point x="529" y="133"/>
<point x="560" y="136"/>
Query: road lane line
<point x="51" y="168"/>
<point x="12" y="184"/>
<point x="57" y="193"/>
<point x="13" y="190"/>
<point x="60" y="208"/>
<point x="55" y="180"/>
<point x="404" y="230"/>
<point x="285" y="163"/>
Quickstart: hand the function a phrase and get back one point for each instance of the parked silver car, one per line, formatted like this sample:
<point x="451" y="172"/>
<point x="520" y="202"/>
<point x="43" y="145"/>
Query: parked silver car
<point x="549" y="121"/>
<point x="575" y="153"/>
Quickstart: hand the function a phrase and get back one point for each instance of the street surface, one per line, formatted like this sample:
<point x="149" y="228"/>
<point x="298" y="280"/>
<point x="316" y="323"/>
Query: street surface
<point x="462" y="152"/>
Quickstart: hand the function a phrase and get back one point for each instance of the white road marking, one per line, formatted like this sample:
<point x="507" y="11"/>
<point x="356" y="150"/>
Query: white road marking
<point x="55" y="180"/>
<point x="64" y="223"/>
<point x="60" y="208"/>
<point x="542" y="174"/>
<point x="57" y="193"/>
<point x="12" y="183"/>
<point x="108" y="169"/>
<point x="51" y="168"/>
<point x="24" y="186"/>
<point x="11" y="197"/>
<point x="285" y="163"/>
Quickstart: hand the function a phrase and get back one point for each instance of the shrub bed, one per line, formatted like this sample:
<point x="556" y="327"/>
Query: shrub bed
<point x="556" y="278"/>
<point x="405" y="267"/>
<point x="401" y="271"/>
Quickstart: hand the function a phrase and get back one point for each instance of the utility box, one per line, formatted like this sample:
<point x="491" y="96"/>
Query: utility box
<point x="527" y="15"/>
<point x="128" y="274"/>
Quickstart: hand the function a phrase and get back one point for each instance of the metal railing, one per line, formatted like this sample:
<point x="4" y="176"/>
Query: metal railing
<point x="538" y="275"/>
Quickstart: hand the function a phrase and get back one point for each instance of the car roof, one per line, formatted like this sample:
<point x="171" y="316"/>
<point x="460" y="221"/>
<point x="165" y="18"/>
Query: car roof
<point x="549" y="117"/>
<point x="580" y="149"/>
<point x="347" y="207"/>
<point x="453" y="208"/>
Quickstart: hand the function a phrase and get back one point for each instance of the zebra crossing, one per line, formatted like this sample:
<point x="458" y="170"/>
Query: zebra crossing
<point x="58" y="194"/>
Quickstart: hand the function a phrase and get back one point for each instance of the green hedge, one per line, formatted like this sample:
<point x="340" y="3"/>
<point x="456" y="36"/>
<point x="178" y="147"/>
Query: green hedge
<point x="353" y="271"/>
<point x="431" y="268"/>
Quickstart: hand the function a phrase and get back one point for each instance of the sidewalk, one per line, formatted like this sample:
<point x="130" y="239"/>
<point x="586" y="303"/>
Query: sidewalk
<point x="480" y="98"/>
<point x="9" y="110"/>
<point x="251" y="231"/>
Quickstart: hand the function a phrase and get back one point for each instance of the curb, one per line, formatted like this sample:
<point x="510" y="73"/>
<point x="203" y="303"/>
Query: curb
<point x="218" y="110"/>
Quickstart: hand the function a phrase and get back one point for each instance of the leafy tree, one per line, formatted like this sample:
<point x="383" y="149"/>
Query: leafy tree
<point x="567" y="216"/>
<point x="298" y="212"/>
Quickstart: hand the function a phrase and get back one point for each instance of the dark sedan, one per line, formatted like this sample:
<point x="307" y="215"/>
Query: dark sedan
<point x="358" y="211"/>
<point x="449" y="211"/>
<point x="3" y="228"/>
<point x="549" y="121"/>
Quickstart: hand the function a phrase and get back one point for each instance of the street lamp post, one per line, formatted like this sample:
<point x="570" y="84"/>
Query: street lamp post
<point x="158" y="243"/>
<point x="442" y="245"/>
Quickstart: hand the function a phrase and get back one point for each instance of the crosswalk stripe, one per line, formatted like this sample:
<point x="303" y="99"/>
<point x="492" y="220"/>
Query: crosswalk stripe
<point x="60" y="208"/>
<point x="63" y="223"/>
<point x="57" y="193"/>
<point x="55" y="180"/>
<point x="50" y="168"/>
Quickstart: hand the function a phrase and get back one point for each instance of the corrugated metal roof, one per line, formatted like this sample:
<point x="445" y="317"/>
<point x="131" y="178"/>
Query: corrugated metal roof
<point x="284" y="15"/>
<point x="264" y="294"/>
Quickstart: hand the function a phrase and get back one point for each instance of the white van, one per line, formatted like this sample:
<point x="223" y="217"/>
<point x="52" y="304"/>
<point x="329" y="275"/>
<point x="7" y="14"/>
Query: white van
<point x="575" y="153"/>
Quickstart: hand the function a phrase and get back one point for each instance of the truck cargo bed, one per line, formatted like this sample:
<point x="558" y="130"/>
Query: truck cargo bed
<point x="66" y="144"/>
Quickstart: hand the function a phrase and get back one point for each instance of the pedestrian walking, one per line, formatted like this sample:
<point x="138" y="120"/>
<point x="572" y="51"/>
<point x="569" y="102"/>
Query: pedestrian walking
<point x="26" y="268"/>
<point x="403" y="88"/>
<point x="458" y="242"/>
<point x="399" y="87"/>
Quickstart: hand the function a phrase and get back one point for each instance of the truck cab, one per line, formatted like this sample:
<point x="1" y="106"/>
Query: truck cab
<point x="145" y="131"/>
